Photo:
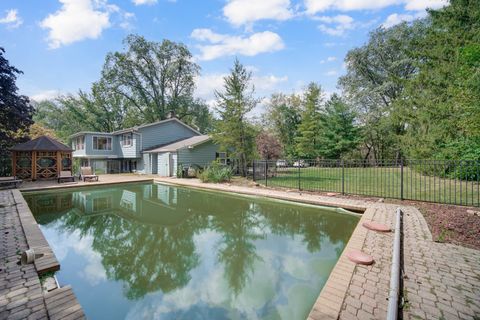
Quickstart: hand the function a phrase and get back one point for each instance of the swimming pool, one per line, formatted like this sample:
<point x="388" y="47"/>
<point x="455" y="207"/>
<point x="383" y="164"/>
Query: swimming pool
<point x="146" y="251"/>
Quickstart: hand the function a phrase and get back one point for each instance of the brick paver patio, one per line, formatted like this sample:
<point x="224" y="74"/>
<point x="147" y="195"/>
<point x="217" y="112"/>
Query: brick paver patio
<point x="21" y="293"/>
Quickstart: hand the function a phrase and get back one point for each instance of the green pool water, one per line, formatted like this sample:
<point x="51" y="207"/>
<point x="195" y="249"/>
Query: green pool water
<point x="151" y="251"/>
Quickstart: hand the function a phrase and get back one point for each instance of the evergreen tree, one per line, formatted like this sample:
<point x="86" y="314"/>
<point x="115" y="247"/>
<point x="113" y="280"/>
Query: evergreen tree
<point x="233" y="131"/>
<point x="339" y="134"/>
<point x="309" y="128"/>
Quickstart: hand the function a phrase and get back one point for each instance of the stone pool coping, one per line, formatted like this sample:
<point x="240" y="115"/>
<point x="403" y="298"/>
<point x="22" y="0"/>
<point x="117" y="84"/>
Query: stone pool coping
<point x="21" y="295"/>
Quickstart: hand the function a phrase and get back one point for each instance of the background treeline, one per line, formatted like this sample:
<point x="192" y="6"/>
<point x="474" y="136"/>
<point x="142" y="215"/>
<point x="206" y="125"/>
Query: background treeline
<point x="411" y="91"/>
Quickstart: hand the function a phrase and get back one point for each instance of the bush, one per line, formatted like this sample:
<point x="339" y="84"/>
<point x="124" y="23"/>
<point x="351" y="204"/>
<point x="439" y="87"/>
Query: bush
<point x="216" y="173"/>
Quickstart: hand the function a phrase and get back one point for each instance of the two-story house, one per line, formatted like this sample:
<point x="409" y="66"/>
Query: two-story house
<point x="154" y="148"/>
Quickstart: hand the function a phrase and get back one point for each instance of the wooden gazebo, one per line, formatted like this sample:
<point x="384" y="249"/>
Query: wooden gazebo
<point x="41" y="158"/>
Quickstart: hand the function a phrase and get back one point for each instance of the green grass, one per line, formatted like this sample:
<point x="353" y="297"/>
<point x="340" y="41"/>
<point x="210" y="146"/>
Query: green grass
<point x="378" y="181"/>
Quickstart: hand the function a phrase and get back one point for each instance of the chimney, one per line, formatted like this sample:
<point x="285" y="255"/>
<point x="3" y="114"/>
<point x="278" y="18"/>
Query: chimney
<point x="171" y="114"/>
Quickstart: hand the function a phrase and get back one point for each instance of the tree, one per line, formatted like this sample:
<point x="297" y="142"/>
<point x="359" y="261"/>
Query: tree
<point x="233" y="131"/>
<point x="283" y="115"/>
<point x="375" y="83"/>
<point x="338" y="134"/>
<point x="15" y="110"/>
<point x="153" y="78"/>
<point x="442" y="102"/>
<point x="309" y="128"/>
<point x="268" y="146"/>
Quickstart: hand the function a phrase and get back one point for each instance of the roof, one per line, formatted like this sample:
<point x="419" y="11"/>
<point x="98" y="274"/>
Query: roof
<point x="132" y="129"/>
<point x="42" y="143"/>
<point x="185" y="143"/>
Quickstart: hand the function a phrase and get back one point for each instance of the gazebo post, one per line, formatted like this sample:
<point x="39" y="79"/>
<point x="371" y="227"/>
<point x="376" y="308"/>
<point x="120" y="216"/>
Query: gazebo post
<point x="59" y="162"/>
<point x="34" y="165"/>
<point x="14" y="163"/>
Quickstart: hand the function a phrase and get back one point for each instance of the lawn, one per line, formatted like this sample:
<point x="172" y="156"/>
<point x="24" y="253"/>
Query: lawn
<point x="377" y="181"/>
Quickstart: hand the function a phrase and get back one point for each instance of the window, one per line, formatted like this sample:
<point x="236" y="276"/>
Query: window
<point x="127" y="139"/>
<point x="102" y="143"/>
<point x="222" y="158"/>
<point x="79" y="143"/>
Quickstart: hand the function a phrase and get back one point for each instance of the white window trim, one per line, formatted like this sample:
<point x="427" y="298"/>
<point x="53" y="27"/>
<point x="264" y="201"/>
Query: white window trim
<point x="123" y="140"/>
<point x="106" y="137"/>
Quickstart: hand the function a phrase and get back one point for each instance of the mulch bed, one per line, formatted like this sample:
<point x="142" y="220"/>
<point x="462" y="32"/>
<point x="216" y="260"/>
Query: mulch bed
<point x="447" y="223"/>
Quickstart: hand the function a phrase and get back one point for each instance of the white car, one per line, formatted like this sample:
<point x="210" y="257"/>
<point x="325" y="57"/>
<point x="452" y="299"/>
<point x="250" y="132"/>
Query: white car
<point x="282" y="163"/>
<point x="300" y="163"/>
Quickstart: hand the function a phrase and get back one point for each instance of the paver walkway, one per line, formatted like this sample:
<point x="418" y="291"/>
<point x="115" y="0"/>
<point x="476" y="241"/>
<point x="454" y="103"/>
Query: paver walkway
<point x="21" y="293"/>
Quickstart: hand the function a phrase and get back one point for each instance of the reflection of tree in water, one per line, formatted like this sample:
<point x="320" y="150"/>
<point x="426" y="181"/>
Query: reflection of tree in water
<point x="314" y="225"/>
<point x="240" y="227"/>
<point x="147" y="258"/>
<point x="151" y="257"/>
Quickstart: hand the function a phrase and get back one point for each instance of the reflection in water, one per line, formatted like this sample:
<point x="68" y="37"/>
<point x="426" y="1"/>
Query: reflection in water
<point x="181" y="253"/>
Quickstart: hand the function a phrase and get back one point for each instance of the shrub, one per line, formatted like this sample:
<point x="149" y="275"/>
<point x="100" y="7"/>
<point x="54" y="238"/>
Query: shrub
<point x="216" y="173"/>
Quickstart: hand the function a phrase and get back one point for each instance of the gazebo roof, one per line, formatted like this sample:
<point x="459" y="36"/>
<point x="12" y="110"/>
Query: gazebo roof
<point x="42" y="143"/>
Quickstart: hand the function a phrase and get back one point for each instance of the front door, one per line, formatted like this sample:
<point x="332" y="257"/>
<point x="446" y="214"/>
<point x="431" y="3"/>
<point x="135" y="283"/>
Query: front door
<point x="164" y="164"/>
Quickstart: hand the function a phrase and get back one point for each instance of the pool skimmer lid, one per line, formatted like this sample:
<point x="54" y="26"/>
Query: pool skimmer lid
<point x="359" y="257"/>
<point x="375" y="226"/>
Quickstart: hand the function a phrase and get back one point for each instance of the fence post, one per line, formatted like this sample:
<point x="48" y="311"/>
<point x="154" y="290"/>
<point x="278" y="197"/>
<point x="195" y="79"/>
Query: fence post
<point x="253" y="168"/>
<point x="343" y="177"/>
<point x="401" y="179"/>
<point x="299" y="183"/>
<point x="266" y="172"/>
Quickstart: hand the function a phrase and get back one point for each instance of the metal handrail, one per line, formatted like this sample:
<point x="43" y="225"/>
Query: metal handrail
<point x="392" y="312"/>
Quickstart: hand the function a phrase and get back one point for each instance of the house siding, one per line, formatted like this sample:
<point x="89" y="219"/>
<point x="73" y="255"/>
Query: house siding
<point x="200" y="155"/>
<point x="164" y="133"/>
<point x="132" y="151"/>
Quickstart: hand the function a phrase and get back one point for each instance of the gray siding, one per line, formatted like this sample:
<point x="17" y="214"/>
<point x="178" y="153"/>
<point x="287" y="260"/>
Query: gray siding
<point x="200" y="155"/>
<point x="89" y="152"/>
<point x="132" y="151"/>
<point x="163" y="133"/>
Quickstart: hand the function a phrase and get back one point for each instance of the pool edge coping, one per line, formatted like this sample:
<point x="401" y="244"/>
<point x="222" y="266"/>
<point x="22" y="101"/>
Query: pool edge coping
<point x="329" y="302"/>
<point x="36" y="240"/>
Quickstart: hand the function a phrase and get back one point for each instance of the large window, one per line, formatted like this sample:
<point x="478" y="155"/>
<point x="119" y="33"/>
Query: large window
<point x="127" y="139"/>
<point x="102" y="143"/>
<point x="79" y="143"/>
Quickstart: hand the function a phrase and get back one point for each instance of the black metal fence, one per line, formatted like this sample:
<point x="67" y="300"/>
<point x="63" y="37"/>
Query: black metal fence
<point x="441" y="181"/>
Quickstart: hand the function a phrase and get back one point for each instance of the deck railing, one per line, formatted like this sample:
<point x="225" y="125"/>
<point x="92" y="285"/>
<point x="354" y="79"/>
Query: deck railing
<point x="440" y="181"/>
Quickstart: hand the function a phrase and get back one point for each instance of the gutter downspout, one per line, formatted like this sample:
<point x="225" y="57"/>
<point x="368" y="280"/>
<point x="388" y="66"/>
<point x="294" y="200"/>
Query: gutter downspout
<point x="392" y="313"/>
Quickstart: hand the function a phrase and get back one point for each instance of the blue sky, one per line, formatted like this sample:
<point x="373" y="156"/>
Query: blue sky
<point x="60" y="45"/>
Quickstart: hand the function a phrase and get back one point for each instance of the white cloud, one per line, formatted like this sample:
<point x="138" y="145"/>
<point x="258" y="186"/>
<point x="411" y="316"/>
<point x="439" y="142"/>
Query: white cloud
<point x="141" y="2"/>
<point x="226" y="45"/>
<point x="11" y="19"/>
<point x="77" y="20"/>
<point x="45" y="95"/>
<point x="331" y="73"/>
<point x="329" y="59"/>
<point x="315" y="6"/>
<point x="396" y="18"/>
<point x="420" y="5"/>
<point x="336" y="25"/>
<point x="240" y="12"/>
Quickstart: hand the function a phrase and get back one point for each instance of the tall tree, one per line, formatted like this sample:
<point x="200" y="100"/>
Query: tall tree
<point x="153" y="78"/>
<point x="309" y="128"/>
<point x="443" y="101"/>
<point x="338" y="134"/>
<point x="233" y="132"/>
<point x="375" y="81"/>
<point x="282" y="116"/>
<point x="15" y="110"/>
